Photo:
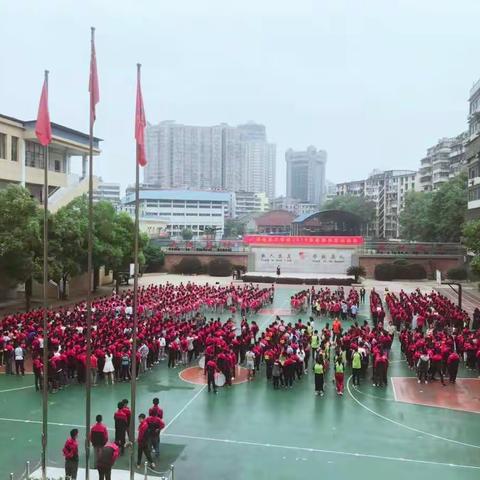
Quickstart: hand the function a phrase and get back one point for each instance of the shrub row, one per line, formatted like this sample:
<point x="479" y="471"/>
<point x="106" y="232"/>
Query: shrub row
<point x="400" y="271"/>
<point x="218" y="267"/>
<point x="298" y="281"/>
<point x="458" y="273"/>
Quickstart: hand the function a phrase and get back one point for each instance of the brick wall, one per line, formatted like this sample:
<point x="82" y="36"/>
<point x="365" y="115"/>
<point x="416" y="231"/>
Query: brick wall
<point x="430" y="262"/>
<point x="173" y="259"/>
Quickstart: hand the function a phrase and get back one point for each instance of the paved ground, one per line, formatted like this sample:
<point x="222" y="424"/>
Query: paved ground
<point x="251" y="431"/>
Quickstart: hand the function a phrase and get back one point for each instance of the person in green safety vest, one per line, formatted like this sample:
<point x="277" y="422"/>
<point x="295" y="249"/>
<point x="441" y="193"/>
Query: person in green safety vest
<point x="339" y="374"/>
<point x="314" y="344"/>
<point x="356" y="366"/>
<point x="319" y="368"/>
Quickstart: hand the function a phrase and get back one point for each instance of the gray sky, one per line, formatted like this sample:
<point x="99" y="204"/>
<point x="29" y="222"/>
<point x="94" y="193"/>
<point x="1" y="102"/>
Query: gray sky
<point x="374" y="82"/>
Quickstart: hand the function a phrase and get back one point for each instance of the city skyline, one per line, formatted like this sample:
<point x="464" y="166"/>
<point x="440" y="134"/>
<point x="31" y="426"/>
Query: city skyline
<point x="312" y="72"/>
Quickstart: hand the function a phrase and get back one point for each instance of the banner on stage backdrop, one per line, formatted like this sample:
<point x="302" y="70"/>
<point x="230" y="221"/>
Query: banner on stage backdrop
<point x="303" y="260"/>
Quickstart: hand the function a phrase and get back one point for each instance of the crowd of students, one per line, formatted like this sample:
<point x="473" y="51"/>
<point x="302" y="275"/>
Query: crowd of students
<point x="435" y="335"/>
<point x="170" y="319"/>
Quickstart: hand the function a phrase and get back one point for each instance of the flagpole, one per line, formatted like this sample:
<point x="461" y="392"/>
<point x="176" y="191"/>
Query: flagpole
<point x="133" y="393"/>
<point x="88" y="379"/>
<point x="45" y="305"/>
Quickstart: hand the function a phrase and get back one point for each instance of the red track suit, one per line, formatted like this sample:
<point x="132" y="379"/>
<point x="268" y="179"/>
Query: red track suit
<point x="121" y="427"/>
<point x="70" y="452"/>
<point x="98" y="438"/>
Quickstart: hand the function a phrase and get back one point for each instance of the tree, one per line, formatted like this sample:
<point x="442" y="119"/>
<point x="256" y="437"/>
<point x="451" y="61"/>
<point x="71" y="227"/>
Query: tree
<point x="69" y="242"/>
<point x="187" y="234"/>
<point x="416" y="223"/>
<point x="233" y="229"/>
<point x="154" y="257"/>
<point x="356" y="271"/>
<point x="436" y="216"/>
<point x="20" y="238"/>
<point x="360" y="206"/>
<point x="471" y="239"/>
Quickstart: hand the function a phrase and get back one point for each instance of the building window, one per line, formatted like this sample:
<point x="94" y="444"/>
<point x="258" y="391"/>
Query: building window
<point x="14" y="149"/>
<point x="58" y="166"/>
<point x="34" y="155"/>
<point x="3" y="145"/>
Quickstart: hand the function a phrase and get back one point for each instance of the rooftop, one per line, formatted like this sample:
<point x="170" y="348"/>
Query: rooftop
<point x="195" y="195"/>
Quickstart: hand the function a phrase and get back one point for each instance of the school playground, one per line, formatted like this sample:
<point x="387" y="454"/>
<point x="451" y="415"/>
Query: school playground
<point x="250" y="431"/>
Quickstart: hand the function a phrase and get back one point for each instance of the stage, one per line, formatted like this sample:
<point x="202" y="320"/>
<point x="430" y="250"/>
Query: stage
<point x="306" y="278"/>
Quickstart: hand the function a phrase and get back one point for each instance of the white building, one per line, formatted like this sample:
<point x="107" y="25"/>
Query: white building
<point x="473" y="153"/>
<point x="178" y="210"/>
<point x="249" y="202"/>
<point x="387" y="191"/>
<point x="292" y="205"/>
<point x="443" y="161"/>
<point x="219" y="157"/>
<point x="107" y="191"/>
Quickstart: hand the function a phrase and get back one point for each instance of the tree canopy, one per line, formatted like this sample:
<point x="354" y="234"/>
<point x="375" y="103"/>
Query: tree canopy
<point x="358" y="205"/>
<point x="436" y="216"/>
<point x="21" y="242"/>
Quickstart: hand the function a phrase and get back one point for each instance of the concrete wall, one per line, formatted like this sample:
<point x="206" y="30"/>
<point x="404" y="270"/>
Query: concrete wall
<point x="173" y="258"/>
<point x="430" y="262"/>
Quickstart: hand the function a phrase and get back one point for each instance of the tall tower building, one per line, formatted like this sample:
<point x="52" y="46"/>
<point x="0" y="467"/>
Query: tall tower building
<point x="210" y="158"/>
<point x="306" y="174"/>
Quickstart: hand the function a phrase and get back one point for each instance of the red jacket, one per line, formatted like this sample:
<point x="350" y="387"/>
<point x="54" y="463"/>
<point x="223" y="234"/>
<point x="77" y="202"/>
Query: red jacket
<point x="99" y="435"/>
<point x="157" y="409"/>
<point x="70" y="450"/>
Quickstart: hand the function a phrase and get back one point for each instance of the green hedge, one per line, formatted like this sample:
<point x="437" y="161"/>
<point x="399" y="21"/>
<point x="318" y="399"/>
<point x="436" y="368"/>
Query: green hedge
<point x="457" y="273"/>
<point x="189" y="266"/>
<point x="400" y="271"/>
<point x="220" y="267"/>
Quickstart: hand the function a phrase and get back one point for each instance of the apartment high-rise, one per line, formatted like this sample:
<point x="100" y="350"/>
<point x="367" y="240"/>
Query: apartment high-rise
<point x="473" y="153"/>
<point x="306" y="174"/>
<point x="443" y="161"/>
<point x="219" y="157"/>
<point x="387" y="191"/>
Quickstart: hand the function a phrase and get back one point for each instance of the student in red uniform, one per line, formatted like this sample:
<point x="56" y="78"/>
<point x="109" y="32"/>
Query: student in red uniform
<point x="128" y="413"/>
<point x="106" y="458"/>
<point x="98" y="436"/>
<point x="70" y="452"/>
<point x="155" y="425"/>
<point x="37" y="371"/>
<point x="156" y="408"/>
<point x="144" y="441"/>
<point x="121" y="427"/>
<point x="211" y="369"/>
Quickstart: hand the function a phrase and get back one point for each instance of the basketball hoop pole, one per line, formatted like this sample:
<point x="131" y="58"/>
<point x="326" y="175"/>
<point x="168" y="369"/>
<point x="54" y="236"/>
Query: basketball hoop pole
<point x="458" y="291"/>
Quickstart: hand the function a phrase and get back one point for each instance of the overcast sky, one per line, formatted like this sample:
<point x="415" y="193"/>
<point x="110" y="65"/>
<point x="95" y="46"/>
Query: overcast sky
<point x="373" y="82"/>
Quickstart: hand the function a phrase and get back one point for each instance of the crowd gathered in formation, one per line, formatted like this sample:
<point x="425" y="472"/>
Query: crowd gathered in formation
<point x="435" y="337"/>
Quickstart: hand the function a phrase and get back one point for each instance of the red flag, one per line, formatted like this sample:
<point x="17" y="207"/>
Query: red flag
<point x="93" y="82"/>
<point x="43" y="129"/>
<point x="140" y="124"/>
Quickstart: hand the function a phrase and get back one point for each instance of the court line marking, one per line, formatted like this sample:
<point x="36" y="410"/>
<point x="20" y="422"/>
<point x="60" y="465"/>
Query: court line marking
<point x="167" y="426"/>
<point x="393" y="389"/>
<point x="194" y="383"/>
<point x="257" y="444"/>
<point x="15" y="389"/>
<point x="399" y="424"/>
<point x="319" y="450"/>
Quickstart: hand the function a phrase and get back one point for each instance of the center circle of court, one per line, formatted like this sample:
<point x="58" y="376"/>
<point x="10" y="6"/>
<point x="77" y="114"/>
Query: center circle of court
<point x="196" y="375"/>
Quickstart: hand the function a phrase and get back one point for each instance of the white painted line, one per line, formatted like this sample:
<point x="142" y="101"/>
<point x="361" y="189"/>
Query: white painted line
<point x="15" y="389"/>
<point x="184" y="408"/>
<point x="438" y="437"/>
<point x="319" y="450"/>
<point x="393" y="389"/>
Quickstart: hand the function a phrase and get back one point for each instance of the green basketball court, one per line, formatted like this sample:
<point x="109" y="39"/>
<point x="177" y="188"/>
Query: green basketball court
<point x="251" y="431"/>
